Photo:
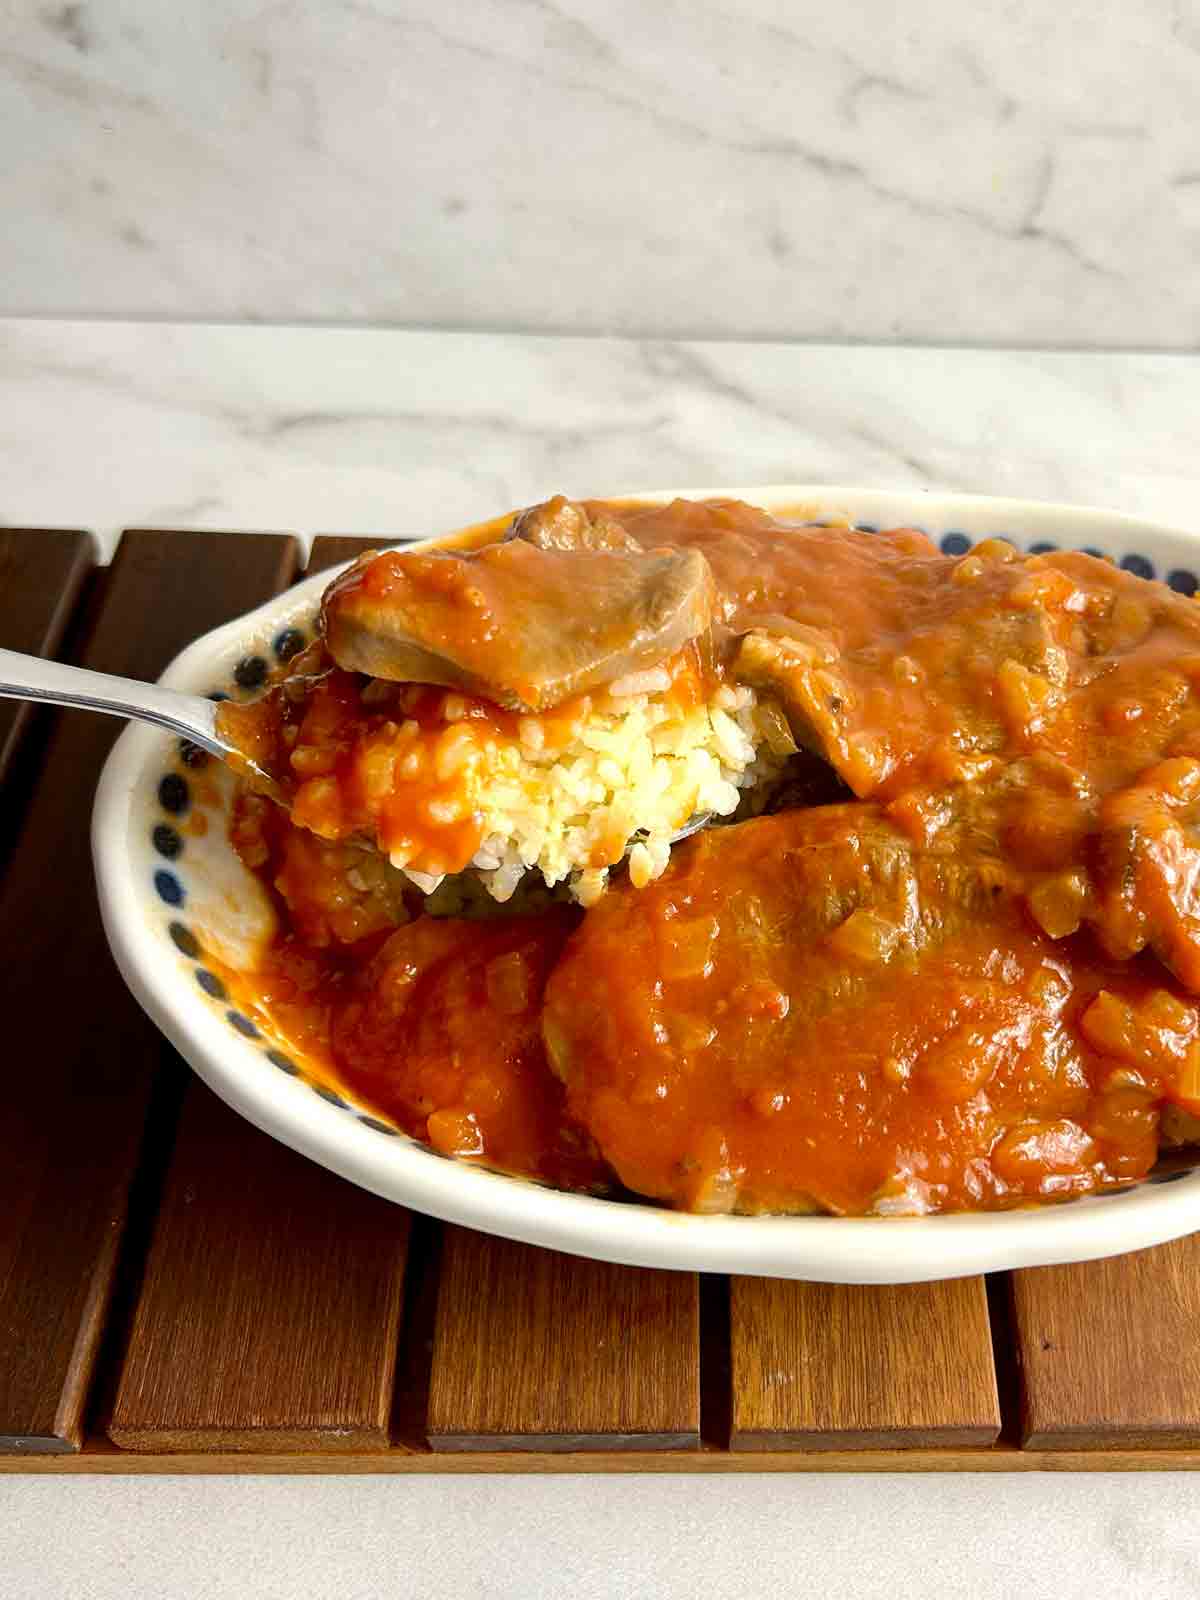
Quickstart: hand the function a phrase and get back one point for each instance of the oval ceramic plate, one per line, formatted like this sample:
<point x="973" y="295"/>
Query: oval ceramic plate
<point x="180" y="909"/>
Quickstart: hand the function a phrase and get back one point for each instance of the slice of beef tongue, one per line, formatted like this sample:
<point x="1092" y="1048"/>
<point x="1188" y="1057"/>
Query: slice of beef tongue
<point x="524" y="624"/>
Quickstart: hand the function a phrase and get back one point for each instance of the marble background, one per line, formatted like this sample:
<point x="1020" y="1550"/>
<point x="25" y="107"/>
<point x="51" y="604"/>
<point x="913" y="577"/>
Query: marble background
<point x="105" y="425"/>
<point x="1004" y="171"/>
<point x="958" y="1536"/>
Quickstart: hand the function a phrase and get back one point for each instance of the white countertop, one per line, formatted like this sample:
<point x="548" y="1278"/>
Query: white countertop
<point x="104" y="424"/>
<point x="962" y="1537"/>
<point x="389" y="432"/>
<point x="1008" y="171"/>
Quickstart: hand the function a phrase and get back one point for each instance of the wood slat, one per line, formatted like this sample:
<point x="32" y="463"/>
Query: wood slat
<point x="103" y="1459"/>
<point x="41" y="574"/>
<point x="1109" y="1351"/>
<point x="328" y="549"/>
<point x="80" y="1054"/>
<point x="539" y="1351"/>
<point x="836" y="1366"/>
<point x="270" y="1310"/>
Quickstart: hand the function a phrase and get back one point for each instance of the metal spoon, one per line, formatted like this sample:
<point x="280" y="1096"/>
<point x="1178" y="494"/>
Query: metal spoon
<point x="192" y="716"/>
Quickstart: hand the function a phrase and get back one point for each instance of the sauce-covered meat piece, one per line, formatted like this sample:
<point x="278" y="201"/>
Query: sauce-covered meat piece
<point x="524" y="625"/>
<point x="562" y="524"/>
<point x="808" y="1010"/>
<point x="440" y="1032"/>
<point x="1053" y="700"/>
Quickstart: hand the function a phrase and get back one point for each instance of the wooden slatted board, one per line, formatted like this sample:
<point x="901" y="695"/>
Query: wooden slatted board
<point x="180" y="1293"/>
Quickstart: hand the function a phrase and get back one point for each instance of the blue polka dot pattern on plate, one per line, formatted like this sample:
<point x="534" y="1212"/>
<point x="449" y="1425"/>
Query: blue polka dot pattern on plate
<point x="866" y="527"/>
<point x="1182" y="581"/>
<point x="1042" y="548"/>
<point x="284" y="1063"/>
<point x="242" y="1023"/>
<point x="192" y="754"/>
<point x="210" y="983"/>
<point x="167" y="841"/>
<point x="380" y="1127"/>
<point x="184" y="940"/>
<point x="173" y="793"/>
<point x="955" y="544"/>
<point x="168" y="888"/>
<point x="1140" y="566"/>
<point x="333" y="1098"/>
<point x="288" y="644"/>
<point x="250" y="672"/>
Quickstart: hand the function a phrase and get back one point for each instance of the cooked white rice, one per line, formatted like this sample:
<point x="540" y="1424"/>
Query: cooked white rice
<point x="635" y="773"/>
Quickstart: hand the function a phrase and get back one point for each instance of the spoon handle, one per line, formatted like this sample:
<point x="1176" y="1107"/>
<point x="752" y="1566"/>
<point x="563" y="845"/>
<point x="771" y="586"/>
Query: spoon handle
<point x="30" y="678"/>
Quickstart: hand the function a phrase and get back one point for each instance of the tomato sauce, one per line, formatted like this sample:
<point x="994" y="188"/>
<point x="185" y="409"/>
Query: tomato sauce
<point x="805" y="1012"/>
<point x="969" y="988"/>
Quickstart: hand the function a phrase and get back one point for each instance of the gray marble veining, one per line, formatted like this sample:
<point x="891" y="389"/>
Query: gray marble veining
<point x="1010" y="171"/>
<point x="386" y="432"/>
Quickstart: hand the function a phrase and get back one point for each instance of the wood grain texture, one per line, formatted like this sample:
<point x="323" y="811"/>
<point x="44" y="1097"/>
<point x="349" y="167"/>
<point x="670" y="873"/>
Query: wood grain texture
<point x="539" y="1351"/>
<point x="827" y="1366"/>
<point x="81" y="1052"/>
<point x="270" y="1309"/>
<point x="330" y="549"/>
<point x="41" y="574"/>
<point x="1109" y="1351"/>
<point x="100" y="1457"/>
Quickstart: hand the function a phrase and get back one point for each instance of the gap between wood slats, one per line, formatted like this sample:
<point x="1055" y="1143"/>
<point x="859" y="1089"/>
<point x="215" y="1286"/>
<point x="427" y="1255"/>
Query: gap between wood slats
<point x="410" y="1399"/>
<point x="330" y="549"/>
<point x="70" y="1137"/>
<point x="1110" y="1350"/>
<point x="716" y="1365"/>
<point x="823" y="1366"/>
<point x="1004" y="1355"/>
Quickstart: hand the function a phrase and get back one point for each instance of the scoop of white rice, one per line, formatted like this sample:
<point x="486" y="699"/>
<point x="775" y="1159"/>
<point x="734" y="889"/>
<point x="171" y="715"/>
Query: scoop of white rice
<point x="634" y="772"/>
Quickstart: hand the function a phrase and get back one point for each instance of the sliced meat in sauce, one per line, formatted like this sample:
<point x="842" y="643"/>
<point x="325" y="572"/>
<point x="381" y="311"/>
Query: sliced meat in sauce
<point x="562" y="524"/>
<point x="440" y="1032"/>
<point x="524" y="625"/>
<point x="941" y="996"/>
<point x="1051" y="700"/>
<point x="808" y="1010"/>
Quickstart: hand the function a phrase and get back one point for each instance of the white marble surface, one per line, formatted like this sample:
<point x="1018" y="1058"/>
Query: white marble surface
<point x="1007" y="171"/>
<point x="104" y="425"/>
<point x="1035" y="1537"/>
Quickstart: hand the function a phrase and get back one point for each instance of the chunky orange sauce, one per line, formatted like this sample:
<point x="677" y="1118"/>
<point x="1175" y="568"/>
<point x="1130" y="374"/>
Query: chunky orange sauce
<point x="969" y="988"/>
<point x="804" y="1011"/>
<point x="434" y="1023"/>
<point x="404" y="766"/>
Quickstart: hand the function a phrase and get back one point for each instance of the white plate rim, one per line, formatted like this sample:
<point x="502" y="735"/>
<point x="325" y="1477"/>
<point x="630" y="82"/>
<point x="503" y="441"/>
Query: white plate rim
<point x="827" y="1249"/>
